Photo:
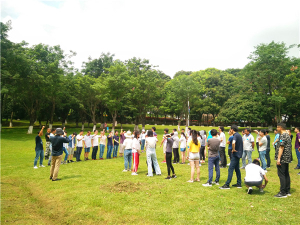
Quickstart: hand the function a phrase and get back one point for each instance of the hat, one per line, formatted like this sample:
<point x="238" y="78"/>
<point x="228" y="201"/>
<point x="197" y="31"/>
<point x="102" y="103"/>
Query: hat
<point x="59" y="131"/>
<point x="143" y="130"/>
<point x="128" y="134"/>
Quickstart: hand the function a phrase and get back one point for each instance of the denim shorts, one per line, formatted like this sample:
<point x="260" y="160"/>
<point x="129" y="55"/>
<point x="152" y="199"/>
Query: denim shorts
<point x="87" y="149"/>
<point x="182" y="149"/>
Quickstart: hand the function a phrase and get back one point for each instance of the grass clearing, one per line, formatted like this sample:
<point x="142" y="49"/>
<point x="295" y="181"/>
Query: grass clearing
<point x="99" y="192"/>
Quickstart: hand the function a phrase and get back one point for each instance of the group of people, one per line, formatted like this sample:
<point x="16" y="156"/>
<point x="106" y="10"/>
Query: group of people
<point x="194" y="147"/>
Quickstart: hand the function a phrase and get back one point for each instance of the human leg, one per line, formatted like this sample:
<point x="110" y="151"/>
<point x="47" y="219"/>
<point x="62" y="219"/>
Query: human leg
<point x="244" y="159"/>
<point x="210" y="169"/>
<point x="169" y="162"/>
<point x="262" y="157"/>
<point x="223" y="157"/>
<point x="126" y="155"/>
<point x="155" y="163"/>
<point x="149" y="163"/>
<point x="249" y="156"/>
<point x="66" y="154"/>
<point x="192" y="164"/>
<point x="298" y="157"/>
<point x="130" y="159"/>
<point x="238" y="172"/>
<point x="53" y="164"/>
<point x="41" y="157"/>
<point x="233" y="163"/>
<point x="268" y="158"/>
<point x="57" y="165"/>
<point x="37" y="155"/>
<point x="217" y="169"/>
<point x="198" y="170"/>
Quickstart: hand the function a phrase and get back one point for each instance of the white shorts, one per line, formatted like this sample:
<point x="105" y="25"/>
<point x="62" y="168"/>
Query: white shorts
<point x="194" y="156"/>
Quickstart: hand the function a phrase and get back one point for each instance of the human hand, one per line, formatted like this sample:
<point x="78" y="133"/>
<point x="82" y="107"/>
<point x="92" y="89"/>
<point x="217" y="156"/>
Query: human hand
<point x="278" y="162"/>
<point x="43" y="127"/>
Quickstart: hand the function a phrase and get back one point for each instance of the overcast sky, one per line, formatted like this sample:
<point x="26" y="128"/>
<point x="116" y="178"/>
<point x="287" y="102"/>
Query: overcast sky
<point x="175" y="35"/>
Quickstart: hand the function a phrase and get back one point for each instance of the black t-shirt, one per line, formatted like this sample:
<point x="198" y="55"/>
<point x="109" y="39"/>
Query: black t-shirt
<point x="269" y="140"/>
<point x="46" y="136"/>
<point x="38" y="143"/>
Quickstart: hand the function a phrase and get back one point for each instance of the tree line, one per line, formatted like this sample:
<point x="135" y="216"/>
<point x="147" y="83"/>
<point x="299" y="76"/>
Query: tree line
<point x="40" y="83"/>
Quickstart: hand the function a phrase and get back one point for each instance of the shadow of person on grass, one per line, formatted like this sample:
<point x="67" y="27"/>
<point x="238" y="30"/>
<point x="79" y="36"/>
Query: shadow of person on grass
<point x="70" y="177"/>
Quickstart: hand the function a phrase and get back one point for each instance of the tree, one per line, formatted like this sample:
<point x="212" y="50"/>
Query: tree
<point x="182" y="72"/>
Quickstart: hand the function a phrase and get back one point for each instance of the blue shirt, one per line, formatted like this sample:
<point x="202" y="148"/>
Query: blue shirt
<point x="209" y="136"/>
<point x="74" y="141"/>
<point x="238" y="145"/>
<point x="109" y="140"/>
<point x="38" y="143"/>
<point x="276" y="137"/>
<point x="230" y="140"/>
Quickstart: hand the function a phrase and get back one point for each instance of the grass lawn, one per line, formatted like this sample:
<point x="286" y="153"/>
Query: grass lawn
<point x="98" y="192"/>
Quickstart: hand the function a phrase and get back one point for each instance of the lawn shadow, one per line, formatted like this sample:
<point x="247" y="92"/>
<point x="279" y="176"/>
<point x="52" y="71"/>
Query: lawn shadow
<point x="70" y="177"/>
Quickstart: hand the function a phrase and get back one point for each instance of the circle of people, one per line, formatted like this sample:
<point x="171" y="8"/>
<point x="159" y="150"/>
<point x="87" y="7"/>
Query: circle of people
<point x="194" y="146"/>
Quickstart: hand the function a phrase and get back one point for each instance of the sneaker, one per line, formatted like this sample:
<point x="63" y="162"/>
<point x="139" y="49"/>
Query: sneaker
<point x="182" y="163"/>
<point x="297" y="168"/>
<point x="134" y="173"/>
<point x="174" y="163"/>
<point x="216" y="183"/>
<point x="42" y="166"/>
<point x="35" y="167"/>
<point x="237" y="185"/>
<point x="48" y="164"/>
<point x="188" y="164"/>
<point x="280" y="195"/>
<point x="266" y="171"/>
<point x="225" y="186"/>
<point x="250" y="190"/>
<point x="242" y="167"/>
<point x="190" y="181"/>
<point x="124" y="170"/>
<point x="168" y="178"/>
<point x="64" y="162"/>
<point x="288" y="194"/>
<point x="174" y="176"/>
<point x="207" y="185"/>
<point x="261" y="190"/>
<point x="129" y="170"/>
<point x="149" y="176"/>
<point x="228" y="164"/>
<point x="222" y="167"/>
<point x="56" y="179"/>
<point x="268" y="167"/>
<point x="163" y="161"/>
<point x="298" y="173"/>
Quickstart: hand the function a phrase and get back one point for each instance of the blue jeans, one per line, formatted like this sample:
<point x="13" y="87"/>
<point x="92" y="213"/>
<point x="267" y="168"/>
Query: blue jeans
<point x="78" y="153"/>
<point x="211" y="162"/>
<point x="234" y="165"/>
<point x="102" y="147"/>
<point x="262" y="157"/>
<point x="143" y="144"/>
<point x="39" y="153"/>
<point x="298" y="157"/>
<point x="66" y="152"/>
<point x="127" y="158"/>
<point x="151" y="157"/>
<point x="115" y="153"/>
<point x="247" y="153"/>
<point x="109" y="150"/>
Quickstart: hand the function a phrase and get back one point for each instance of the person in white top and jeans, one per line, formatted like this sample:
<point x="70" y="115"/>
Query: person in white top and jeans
<point x="182" y="147"/>
<point x="128" y="151"/>
<point x="151" y="154"/>
<point x="248" y="143"/>
<point x="222" y="148"/>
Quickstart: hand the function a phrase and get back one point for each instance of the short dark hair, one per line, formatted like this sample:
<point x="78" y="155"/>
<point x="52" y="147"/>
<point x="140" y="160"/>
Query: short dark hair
<point x="80" y="131"/>
<point x="53" y="129"/>
<point x="167" y="130"/>
<point x="74" y="133"/>
<point x="116" y="131"/>
<point x="213" y="132"/>
<point x="267" y="131"/>
<point x="248" y="129"/>
<point x="154" y="128"/>
<point x="190" y="128"/>
<point x="94" y="130"/>
<point x="256" y="161"/>
<point x="221" y="128"/>
<point x="298" y="128"/>
<point x="174" y="129"/>
<point x="282" y="125"/>
<point x="263" y="131"/>
<point x="234" y="128"/>
<point x="150" y="133"/>
<point x="89" y="131"/>
<point x="66" y="131"/>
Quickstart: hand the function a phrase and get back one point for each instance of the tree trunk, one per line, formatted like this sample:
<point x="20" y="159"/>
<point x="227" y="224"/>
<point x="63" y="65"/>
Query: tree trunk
<point x="52" y="112"/>
<point x="82" y="126"/>
<point x="31" y="123"/>
<point x="40" y="123"/>
<point x="143" y="122"/>
<point x="11" y="118"/>
<point x="63" y="125"/>
<point x="95" y="127"/>
<point x="114" y="116"/>
<point x="136" y="126"/>
<point x="165" y="118"/>
<point x="76" y="123"/>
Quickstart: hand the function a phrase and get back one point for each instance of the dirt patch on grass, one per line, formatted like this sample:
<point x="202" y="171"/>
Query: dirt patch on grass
<point x="122" y="186"/>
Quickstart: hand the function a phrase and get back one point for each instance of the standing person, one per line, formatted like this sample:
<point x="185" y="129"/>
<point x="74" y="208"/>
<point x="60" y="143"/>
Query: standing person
<point x="248" y="140"/>
<point x="213" y="159"/>
<point x="154" y="133"/>
<point x="47" y="137"/>
<point x="175" y="146"/>
<point x="229" y="142"/>
<point x="110" y="145"/>
<point x="297" y="147"/>
<point x="268" y="149"/>
<point x="128" y="151"/>
<point x="136" y="152"/>
<point x="105" y="127"/>
<point x="95" y="143"/>
<point x="263" y="142"/>
<point x="283" y="156"/>
<point x="182" y="147"/>
<point x="116" y="144"/>
<point x="79" y="139"/>
<point x="122" y="138"/>
<point x="39" y="149"/>
<point x="143" y="139"/>
<point x="87" y="143"/>
<point x="202" y="148"/>
<point x="71" y="147"/>
<point x="102" y="144"/>
<point x="169" y="145"/>
<point x="222" y="147"/>
<point x="193" y="148"/>
<point x="237" y="152"/>
<point x="255" y="176"/>
<point x="164" y="142"/>
<point x="65" y="149"/>
<point x="52" y="134"/>
<point x="151" y="154"/>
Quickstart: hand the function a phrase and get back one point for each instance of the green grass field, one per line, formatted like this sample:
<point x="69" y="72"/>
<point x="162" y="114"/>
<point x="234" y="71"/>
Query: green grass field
<point x="98" y="192"/>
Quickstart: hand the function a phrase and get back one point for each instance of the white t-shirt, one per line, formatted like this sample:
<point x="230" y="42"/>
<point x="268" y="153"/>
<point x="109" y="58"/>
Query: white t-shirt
<point x="151" y="142"/>
<point x="265" y="142"/>
<point x="182" y="141"/>
<point x="248" y="140"/>
<point x="135" y="145"/>
<point x="175" y="142"/>
<point x="223" y="142"/>
<point x="66" y="145"/>
<point x="79" y="139"/>
<point x="257" y="136"/>
<point x="96" y="140"/>
<point x="128" y="143"/>
<point x="142" y="136"/>
<point x="254" y="172"/>
<point x="88" y="141"/>
<point x="103" y="140"/>
<point x="51" y="135"/>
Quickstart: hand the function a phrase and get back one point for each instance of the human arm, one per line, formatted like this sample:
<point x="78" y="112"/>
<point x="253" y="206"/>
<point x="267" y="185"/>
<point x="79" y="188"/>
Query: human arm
<point x="41" y="132"/>
<point x="281" y="148"/>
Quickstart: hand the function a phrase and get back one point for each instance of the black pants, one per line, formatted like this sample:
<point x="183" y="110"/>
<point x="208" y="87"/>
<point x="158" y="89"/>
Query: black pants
<point x="230" y="153"/>
<point x="257" y="146"/>
<point x="223" y="157"/>
<point x="268" y="158"/>
<point x="169" y="163"/>
<point x="284" y="177"/>
<point x="202" y="155"/>
<point x="94" y="153"/>
<point x="176" y="155"/>
<point x="78" y="153"/>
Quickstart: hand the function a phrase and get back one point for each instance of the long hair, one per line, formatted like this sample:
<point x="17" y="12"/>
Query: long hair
<point x="182" y="133"/>
<point x="136" y="134"/>
<point x="194" y="137"/>
<point x="198" y="132"/>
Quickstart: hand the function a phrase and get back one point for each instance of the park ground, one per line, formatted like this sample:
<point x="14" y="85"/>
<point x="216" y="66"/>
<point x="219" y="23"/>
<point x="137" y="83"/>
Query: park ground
<point x="98" y="192"/>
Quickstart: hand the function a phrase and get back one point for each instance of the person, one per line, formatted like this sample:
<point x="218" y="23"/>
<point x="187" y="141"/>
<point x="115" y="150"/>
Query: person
<point x="169" y="145"/>
<point x="222" y="147"/>
<point x="143" y="139"/>
<point x="248" y="143"/>
<point x="71" y="146"/>
<point x="95" y="142"/>
<point x="151" y="154"/>
<point x="105" y="127"/>
<point x="102" y="144"/>
<point x="268" y="149"/>
<point x="52" y="134"/>
<point x="193" y="148"/>
<point x="263" y="142"/>
<point x="39" y="149"/>
<point x="164" y="143"/>
<point x="202" y="148"/>
<point x="213" y="159"/>
<point x="87" y="144"/>
<point x="116" y="144"/>
<point x="229" y="142"/>
<point x="182" y="147"/>
<point x="136" y="152"/>
<point x="47" y="137"/>
<point x="154" y="133"/>
<point x="189" y="130"/>
<point x="79" y="139"/>
<point x="122" y="138"/>
<point x="237" y="152"/>
<point x="255" y="176"/>
<point x="291" y="136"/>
<point x="175" y="146"/>
<point x="65" y="149"/>
<point x="283" y="157"/>
<point x="297" y="147"/>
<point x="110" y="145"/>
<point x="128" y="151"/>
<point x="57" y="150"/>
<point x="257" y="141"/>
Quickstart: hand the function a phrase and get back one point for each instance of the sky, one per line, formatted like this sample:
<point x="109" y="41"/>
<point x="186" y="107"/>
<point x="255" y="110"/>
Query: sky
<point x="174" y="35"/>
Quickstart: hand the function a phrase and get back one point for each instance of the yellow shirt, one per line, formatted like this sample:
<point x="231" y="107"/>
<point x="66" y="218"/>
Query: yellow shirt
<point x="192" y="147"/>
